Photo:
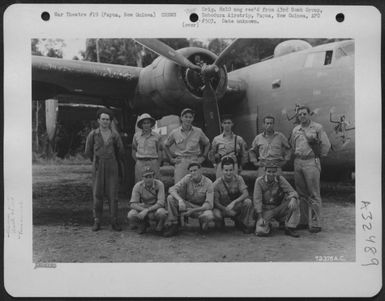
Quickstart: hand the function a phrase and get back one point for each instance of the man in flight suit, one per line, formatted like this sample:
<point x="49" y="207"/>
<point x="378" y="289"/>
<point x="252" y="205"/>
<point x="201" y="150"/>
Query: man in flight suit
<point x="104" y="146"/>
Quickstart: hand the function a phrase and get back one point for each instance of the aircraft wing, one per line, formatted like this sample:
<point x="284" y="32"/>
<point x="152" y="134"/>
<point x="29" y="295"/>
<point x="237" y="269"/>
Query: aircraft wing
<point x="103" y="83"/>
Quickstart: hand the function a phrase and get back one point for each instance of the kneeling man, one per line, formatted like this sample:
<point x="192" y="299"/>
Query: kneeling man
<point x="147" y="202"/>
<point x="193" y="197"/>
<point x="275" y="198"/>
<point x="231" y="199"/>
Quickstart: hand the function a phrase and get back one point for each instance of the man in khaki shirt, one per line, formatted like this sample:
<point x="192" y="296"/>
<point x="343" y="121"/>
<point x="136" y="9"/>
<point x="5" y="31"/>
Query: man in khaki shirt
<point x="310" y="143"/>
<point x="231" y="199"/>
<point x="188" y="140"/>
<point x="146" y="147"/>
<point x="275" y="198"/>
<point x="269" y="145"/>
<point x="190" y="197"/>
<point x="147" y="202"/>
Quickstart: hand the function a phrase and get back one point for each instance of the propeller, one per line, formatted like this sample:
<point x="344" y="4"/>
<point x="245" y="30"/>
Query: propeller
<point x="166" y="51"/>
<point x="210" y="102"/>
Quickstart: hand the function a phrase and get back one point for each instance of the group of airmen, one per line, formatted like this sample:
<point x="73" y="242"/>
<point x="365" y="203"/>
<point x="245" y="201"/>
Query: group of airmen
<point x="194" y="195"/>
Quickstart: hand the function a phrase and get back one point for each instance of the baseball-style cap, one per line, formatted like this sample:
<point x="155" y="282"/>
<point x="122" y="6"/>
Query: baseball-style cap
<point x="187" y="110"/>
<point x="147" y="170"/>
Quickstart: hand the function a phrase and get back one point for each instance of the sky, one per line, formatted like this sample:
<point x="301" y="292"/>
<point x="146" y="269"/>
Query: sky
<point x="73" y="48"/>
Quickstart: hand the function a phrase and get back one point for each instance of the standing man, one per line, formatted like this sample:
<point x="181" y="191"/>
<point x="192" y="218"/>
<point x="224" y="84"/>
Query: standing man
<point x="146" y="147"/>
<point x="228" y="144"/>
<point x="269" y="145"/>
<point x="231" y="199"/>
<point x="188" y="140"/>
<point x="310" y="143"/>
<point x="190" y="197"/>
<point x="105" y="148"/>
<point x="147" y="202"/>
<point x="275" y="198"/>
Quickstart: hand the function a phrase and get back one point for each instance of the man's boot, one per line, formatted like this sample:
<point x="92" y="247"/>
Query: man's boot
<point x="171" y="230"/>
<point x="96" y="225"/>
<point x="115" y="226"/>
<point x="291" y="232"/>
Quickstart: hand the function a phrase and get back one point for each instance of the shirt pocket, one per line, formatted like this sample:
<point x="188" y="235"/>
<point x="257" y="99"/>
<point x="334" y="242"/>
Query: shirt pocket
<point x="192" y="142"/>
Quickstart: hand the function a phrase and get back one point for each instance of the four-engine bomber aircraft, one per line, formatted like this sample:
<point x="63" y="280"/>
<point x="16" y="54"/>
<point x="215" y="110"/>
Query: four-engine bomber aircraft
<point x="320" y="77"/>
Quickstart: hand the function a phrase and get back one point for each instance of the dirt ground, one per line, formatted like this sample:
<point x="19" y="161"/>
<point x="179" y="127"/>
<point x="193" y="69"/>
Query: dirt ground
<point x="62" y="220"/>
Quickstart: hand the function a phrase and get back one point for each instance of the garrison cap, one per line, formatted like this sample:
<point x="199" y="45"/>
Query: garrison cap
<point x="147" y="170"/>
<point x="187" y="110"/>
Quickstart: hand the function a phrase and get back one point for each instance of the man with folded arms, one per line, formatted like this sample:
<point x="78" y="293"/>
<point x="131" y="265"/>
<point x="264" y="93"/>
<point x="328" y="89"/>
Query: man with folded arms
<point x="231" y="199"/>
<point x="147" y="202"/>
<point x="190" y="197"/>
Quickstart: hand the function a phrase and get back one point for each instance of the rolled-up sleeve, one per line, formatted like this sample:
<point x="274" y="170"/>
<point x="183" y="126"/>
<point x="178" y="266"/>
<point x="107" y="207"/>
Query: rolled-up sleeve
<point x="210" y="196"/>
<point x="180" y="186"/>
<point x="203" y="138"/>
<point x="257" y="197"/>
<point x="287" y="188"/>
<point x="160" y="195"/>
<point x="135" y="195"/>
<point x="170" y="140"/>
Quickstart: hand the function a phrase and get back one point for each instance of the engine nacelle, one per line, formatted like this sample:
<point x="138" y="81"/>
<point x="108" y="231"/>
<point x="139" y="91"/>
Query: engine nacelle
<point x="165" y="87"/>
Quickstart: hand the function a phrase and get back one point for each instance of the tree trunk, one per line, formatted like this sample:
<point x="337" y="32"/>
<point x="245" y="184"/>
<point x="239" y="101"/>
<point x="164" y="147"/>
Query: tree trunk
<point x="37" y="127"/>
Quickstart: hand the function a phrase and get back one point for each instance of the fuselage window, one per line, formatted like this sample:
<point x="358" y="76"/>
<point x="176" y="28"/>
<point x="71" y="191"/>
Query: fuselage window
<point x="328" y="57"/>
<point x="318" y="59"/>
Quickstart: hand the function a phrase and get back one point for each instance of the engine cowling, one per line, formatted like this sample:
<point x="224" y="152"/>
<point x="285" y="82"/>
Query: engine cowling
<point x="165" y="88"/>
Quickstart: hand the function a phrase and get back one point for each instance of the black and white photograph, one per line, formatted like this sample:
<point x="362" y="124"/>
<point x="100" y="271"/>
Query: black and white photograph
<point x="130" y="139"/>
<point x="166" y="145"/>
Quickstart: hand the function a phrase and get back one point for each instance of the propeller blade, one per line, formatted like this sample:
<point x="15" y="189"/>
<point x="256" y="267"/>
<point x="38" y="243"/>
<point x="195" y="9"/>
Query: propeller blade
<point x="211" y="111"/>
<point x="166" y="51"/>
<point x="221" y="58"/>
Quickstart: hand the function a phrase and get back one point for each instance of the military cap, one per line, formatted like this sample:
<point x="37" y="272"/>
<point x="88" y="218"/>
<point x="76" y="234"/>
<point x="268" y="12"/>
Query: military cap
<point x="144" y="117"/>
<point x="187" y="110"/>
<point x="147" y="170"/>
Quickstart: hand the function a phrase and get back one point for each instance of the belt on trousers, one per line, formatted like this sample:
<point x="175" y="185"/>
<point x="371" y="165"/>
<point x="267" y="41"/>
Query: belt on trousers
<point x="307" y="157"/>
<point x="147" y="159"/>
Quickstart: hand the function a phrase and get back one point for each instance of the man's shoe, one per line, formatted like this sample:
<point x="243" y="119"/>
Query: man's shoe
<point x="203" y="227"/>
<point x="315" y="229"/>
<point x="248" y="230"/>
<point x="142" y="226"/>
<point x="262" y="234"/>
<point x="116" y="227"/>
<point x="96" y="226"/>
<point x="171" y="230"/>
<point x="291" y="232"/>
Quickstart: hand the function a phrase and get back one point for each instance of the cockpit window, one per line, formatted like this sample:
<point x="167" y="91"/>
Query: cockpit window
<point x="318" y="59"/>
<point x="346" y="50"/>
